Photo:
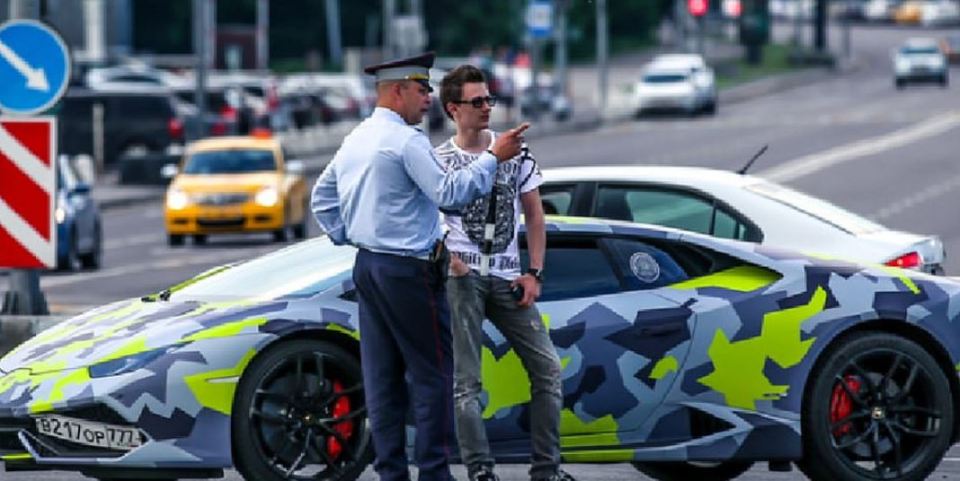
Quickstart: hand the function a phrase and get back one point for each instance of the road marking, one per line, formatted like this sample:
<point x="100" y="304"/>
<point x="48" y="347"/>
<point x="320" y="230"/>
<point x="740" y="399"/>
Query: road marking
<point x="934" y="191"/>
<point x="213" y="258"/>
<point x="813" y="163"/>
<point x="132" y="241"/>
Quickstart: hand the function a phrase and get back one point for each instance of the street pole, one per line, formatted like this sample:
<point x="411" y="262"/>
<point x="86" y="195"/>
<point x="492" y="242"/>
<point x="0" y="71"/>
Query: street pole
<point x="200" y="52"/>
<point x="263" y="35"/>
<point x="333" y="32"/>
<point x="534" y="95"/>
<point x="25" y="296"/>
<point x="93" y="30"/>
<point x="846" y="34"/>
<point x="389" y="10"/>
<point x="561" y="51"/>
<point x="602" y="49"/>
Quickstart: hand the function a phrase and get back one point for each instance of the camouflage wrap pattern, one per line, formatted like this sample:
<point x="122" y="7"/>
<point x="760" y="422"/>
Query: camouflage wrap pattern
<point x="736" y="347"/>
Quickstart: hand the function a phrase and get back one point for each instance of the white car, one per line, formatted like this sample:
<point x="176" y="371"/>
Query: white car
<point x="676" y="82"/>
<point x="133" y="77"/>
<point x="734" y="206"/>
<point x="880" y="10"/>
<point x="920" y="60"/>
<point x="940" y="12"/>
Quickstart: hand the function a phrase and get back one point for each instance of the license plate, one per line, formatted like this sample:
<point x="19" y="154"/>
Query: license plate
<point x="89" y="433"/>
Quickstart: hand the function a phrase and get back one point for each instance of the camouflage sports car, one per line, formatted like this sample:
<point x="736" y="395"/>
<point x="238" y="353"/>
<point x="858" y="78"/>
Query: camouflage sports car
<point x="689" y="356"/>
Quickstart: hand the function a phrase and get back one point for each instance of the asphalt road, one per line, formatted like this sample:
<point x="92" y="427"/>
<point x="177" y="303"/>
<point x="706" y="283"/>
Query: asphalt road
<point x="852" y="139"/>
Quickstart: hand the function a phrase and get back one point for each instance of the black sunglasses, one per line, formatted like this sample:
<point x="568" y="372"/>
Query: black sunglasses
<point x="477" y="102"/>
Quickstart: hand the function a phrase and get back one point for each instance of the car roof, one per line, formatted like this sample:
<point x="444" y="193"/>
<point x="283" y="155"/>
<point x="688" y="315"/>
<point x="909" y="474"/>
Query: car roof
<point x="678" y="60"/>
<point x="652" y="173"/>
<point x="233" y="142"/>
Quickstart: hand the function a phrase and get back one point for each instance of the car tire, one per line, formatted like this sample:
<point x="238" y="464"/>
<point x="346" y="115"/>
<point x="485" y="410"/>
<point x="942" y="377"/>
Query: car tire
<point x="711" y="107"/>
<point x="199" y="239"/>
<point x="275" y="412"/>
<point x="175" y="240"/>
<point x="683" y="470"/>
<point x="900" y="83"/>
<point x="944" y="81"/>
<point x="93" y="259"/>
<point x="70" y="262"/>
<point x="855" y="385"/>
<point x="300" y="230"/>
<point x="280" y="235"/>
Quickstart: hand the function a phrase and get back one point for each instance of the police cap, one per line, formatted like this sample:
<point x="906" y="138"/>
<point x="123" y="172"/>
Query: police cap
<point x="413" y="68"/>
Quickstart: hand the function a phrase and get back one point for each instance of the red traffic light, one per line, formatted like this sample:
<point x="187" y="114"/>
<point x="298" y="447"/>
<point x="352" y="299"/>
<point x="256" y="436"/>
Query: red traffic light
<point x="697" y="8"/>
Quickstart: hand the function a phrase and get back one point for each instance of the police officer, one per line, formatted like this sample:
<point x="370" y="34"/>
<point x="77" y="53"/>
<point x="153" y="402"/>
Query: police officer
<point x="382" y="193"/>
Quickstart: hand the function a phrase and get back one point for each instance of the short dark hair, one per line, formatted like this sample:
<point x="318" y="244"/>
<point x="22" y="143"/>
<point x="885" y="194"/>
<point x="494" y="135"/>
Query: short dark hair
<point x="451" y="87"/>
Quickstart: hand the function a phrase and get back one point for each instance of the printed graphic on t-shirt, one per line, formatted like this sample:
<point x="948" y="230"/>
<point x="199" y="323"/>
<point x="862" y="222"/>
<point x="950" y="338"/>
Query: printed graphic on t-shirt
<point x="513" y="178"/>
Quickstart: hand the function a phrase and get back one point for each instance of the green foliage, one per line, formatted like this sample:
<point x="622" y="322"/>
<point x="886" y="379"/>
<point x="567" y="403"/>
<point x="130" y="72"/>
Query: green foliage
<point x="162" y="26"/>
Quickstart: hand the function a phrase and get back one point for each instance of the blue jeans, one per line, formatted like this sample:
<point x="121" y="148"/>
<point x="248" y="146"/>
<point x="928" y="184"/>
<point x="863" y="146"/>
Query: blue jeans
<point x="472" y="298"/>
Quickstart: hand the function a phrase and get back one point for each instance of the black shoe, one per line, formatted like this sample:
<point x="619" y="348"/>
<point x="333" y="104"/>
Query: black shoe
<point x="484" y="474"/>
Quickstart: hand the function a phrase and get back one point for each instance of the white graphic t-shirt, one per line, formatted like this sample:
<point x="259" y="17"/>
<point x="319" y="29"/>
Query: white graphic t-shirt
<point x="516" y="176"/>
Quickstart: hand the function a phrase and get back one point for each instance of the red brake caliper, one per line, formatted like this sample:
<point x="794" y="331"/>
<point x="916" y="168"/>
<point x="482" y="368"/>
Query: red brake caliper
<point x="345" y="428"/>
<point x="841" y="405"/>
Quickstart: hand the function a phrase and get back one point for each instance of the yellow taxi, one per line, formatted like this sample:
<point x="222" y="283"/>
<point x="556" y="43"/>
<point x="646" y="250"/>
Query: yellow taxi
<point x="910" y="12"/>
<point x="236" y="184"/>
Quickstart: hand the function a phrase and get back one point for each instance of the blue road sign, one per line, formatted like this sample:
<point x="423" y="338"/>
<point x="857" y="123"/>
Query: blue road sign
<point x="34" y="67"/>
<point x="539" y="19"/>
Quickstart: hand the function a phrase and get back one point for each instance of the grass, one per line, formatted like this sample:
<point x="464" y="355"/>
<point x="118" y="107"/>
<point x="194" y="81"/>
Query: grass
<point x="776" y="60"/>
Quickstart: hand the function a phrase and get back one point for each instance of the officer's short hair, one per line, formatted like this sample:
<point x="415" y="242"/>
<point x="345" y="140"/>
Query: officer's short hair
<point x="451" y="87"/>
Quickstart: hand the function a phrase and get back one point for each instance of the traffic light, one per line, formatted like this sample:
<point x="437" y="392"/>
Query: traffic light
<point x="698" y="8"/>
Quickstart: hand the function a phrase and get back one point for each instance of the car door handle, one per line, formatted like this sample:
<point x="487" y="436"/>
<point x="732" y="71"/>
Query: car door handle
<point x="664" y="329"/>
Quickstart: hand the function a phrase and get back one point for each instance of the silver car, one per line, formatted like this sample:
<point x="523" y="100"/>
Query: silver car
<point x="734" y="206"/>
<point x="676" y="82"/>
<point x="920" y="60"/>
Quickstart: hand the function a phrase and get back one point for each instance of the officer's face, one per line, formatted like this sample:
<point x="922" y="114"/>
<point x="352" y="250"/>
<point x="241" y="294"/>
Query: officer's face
<point x="465" y="113"/>
<point x="416" y="101"/>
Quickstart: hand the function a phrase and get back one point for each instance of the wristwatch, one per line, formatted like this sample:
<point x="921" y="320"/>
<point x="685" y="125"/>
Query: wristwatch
<point x="536" y="273"/>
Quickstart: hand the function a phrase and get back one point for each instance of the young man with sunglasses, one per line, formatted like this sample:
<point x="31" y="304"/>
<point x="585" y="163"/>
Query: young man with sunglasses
<point x="486" y="281"/>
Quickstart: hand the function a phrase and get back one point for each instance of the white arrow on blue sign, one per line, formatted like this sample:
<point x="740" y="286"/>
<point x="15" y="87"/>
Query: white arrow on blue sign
<point x="34" y="67"/>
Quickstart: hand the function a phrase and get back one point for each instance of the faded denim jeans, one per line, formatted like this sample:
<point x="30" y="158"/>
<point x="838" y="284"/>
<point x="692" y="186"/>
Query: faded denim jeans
<point x="473" y="298"/>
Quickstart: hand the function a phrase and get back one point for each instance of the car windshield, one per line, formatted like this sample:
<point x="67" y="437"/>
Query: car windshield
<point x="931" y="50"/>
<point x="301" y="270"/>
<point x="663" y="78"/>
<point x="230" y="162"/>
<point x="820" y="209"/>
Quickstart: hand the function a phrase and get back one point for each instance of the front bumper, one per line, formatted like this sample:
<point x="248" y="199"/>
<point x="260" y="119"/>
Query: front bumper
<point x="209" y="220"/>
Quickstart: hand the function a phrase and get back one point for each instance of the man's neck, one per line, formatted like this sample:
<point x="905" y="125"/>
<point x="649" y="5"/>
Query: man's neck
<point x="471" y="139"/>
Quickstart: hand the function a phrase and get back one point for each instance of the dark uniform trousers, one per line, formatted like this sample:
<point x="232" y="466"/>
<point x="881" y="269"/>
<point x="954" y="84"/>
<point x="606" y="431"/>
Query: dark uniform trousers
<point x="405" y="330"/>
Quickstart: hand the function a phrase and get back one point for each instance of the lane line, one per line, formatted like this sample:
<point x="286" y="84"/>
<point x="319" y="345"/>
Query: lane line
<point x="133" y="241"/>
<point x="905" y="203"/>
<point x="810" y="164"/>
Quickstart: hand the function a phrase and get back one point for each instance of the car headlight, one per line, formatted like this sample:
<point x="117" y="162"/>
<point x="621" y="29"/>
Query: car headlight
<point x="60" y="215"/>
<point x="123" y="365"/>
<point x="177" y="199"/>
<point x="902" y="65"/>
<point x="267" y="197"/>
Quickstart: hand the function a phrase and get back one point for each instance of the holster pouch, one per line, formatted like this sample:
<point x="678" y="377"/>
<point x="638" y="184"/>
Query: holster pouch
<point x="440" y="258"/>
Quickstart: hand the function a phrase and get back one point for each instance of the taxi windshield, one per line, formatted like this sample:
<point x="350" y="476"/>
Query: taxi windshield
<point x="230" y="162"/>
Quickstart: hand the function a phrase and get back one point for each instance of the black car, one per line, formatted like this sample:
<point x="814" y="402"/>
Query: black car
<point x="133" y="122"/>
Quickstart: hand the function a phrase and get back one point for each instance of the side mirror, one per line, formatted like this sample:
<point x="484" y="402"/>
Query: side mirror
<point x="295" y="167"/>
<point x="169" y="171"/>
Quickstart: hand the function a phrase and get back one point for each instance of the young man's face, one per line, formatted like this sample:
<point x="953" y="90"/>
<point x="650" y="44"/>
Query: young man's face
<point x="465" y="114"/>
<point x="416" y="101"/>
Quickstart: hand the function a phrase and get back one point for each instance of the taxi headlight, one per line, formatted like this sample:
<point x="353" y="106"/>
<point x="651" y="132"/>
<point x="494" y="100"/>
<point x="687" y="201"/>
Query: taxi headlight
<point x="123" y="365"/>
<point x="267" y="197"/>
<point x="177" y="199"/>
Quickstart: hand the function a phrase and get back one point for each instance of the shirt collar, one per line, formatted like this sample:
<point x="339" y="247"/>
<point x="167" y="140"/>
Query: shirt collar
<point x="387" y="114"/>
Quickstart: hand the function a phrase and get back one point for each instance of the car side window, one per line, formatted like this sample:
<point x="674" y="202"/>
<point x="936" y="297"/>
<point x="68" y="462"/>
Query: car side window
<point x="556" y="199"/>
<point x="643" y="266"/>
<point x="574" y="268"/>
<point x="670" y="208"/>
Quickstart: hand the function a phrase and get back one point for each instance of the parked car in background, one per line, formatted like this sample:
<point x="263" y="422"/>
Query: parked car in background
<point x="880" y="10"/>
<point x="940" y="12"/>
<point x="133" y="123"/>
<point x="950" y="46"/>
<point x="236" y="184"/>
<point x="676" y="82"/>
<point x="133" y="77"/>
<point x="920" y="60"/>
<point x="734" y="206"/>
<point x="909" y="12"/>
<point x="79" y="229"/>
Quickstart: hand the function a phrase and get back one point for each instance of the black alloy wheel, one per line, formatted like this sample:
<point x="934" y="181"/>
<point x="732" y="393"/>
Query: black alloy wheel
<point x="878" y="407"/>
<point x="689" y="470"/>
<point x="299" y="414"/>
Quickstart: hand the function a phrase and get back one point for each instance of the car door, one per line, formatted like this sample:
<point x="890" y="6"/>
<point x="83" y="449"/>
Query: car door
<point x="618" y="340"/>
<point x="685" y="209"/>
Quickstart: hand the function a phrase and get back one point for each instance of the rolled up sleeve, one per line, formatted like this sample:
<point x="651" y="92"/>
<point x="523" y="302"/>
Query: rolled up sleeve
<point x="448" y="189"/>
